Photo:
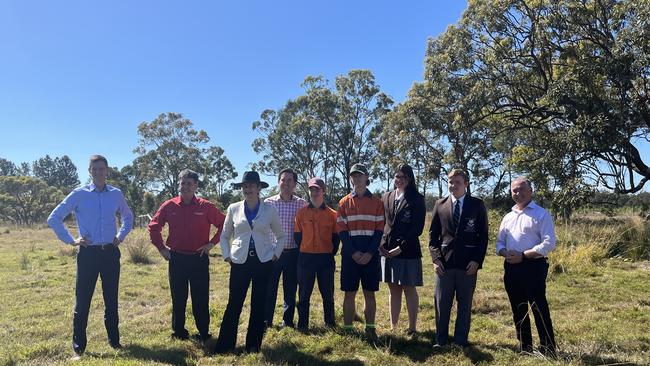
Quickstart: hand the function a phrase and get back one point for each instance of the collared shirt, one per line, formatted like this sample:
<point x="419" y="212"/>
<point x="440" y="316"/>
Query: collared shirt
<point x="95" y="213"/>
<point x="287" y="211"/>
<point x="189" y="225"/>
<point x="360" y="215"/>
<point x="360" y="222"/>
<point x="317" y="226"/>
<point x="530" y="228"/>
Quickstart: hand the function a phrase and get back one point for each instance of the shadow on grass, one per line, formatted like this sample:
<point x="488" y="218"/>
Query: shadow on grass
<point x="420" y="348"/>
<point x="591" y="359"/>
<point x="288" y="354"/>
<point x="172" y="356"/>
<point x="477" y="355"/>
<point x="584" y="358"/>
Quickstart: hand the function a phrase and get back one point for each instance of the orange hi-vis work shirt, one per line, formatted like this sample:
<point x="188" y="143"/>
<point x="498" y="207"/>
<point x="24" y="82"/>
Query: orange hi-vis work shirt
<point x="317" y="225"/>
<point x="362" y="217"/>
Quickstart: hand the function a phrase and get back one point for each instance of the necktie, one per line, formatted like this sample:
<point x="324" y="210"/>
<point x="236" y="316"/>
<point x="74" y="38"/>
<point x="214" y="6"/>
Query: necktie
<point x="456" y="215"/>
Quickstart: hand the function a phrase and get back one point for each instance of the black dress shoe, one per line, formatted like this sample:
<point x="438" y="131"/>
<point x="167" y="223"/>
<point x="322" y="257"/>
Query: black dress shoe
<point x="252" y="349"/>
<point x="182" y="336"/>
<point x="115" y="345"/>
<point x="202" y="338"/>
<point x="286" y="325"/>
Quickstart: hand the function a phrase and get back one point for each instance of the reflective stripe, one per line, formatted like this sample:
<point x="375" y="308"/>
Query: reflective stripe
<point x="362" y="232"/>
<point x="365" y="218"/>
<point x="341" y="219"/>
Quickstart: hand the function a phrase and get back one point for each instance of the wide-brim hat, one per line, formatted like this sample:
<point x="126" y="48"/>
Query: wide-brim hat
<point x="250" y="177"/>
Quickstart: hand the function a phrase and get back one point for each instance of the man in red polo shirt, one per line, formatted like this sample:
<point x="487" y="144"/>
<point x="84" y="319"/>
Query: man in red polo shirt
<point x="188" y="243"/>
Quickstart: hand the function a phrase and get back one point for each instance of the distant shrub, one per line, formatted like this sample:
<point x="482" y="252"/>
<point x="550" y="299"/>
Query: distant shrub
<point x="24" y="262"/>
<point x="138" y="248"/>
<point x="583" y="242"/>
<point x="633" y="241"/>
<point x="67" y="251"/>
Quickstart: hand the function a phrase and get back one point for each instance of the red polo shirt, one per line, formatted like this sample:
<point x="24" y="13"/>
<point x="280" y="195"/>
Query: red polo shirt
<point x="189" y="225"/>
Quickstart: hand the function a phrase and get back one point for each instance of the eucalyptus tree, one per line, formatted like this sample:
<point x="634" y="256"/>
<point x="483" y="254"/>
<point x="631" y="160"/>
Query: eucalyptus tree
<point x="324" y="131"/>
<point x="167" y="145"/>
<point x="572" y="74"/>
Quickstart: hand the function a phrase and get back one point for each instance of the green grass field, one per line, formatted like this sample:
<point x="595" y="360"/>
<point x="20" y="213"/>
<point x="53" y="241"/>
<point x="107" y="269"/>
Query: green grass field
<point x="600" y="310"/>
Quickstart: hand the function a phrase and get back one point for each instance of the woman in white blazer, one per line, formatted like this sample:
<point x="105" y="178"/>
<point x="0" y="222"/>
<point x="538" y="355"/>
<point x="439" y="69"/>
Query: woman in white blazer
<point x="247" y="245"/>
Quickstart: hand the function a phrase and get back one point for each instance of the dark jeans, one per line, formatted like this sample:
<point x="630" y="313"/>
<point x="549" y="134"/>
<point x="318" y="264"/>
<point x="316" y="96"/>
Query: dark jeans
<point x="306" y="278"/>
<point x="241" y="276"/>
<point x="454" y="283"/>
<point x="91" y="263"/>
<point x="526" y="285"/>
<point x="192" y="270"/>
<point x="287" y="265"/>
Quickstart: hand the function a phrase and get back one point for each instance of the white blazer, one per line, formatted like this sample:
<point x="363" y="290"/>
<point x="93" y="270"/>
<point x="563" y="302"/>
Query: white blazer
<point x="236" y="234"/>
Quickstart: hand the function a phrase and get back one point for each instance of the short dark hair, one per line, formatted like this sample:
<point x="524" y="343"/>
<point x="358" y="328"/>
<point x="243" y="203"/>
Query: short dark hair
<point x="288" y="170"/>
<point x="96" y="158"/>
<point x="187" y="173"/>
<point x="459" y="172"/>
<point x="524" y="179"/>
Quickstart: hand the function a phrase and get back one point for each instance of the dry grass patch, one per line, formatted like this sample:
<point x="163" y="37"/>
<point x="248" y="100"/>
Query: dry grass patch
<point x="138" y="248"/>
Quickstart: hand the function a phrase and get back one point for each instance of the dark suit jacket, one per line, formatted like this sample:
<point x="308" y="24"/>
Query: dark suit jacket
<point x="468" y="242"/>
<point x="403" y="224"/>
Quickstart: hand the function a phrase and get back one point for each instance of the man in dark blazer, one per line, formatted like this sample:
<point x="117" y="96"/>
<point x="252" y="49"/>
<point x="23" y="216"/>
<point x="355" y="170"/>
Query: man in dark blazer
<point x="458" y="239"/>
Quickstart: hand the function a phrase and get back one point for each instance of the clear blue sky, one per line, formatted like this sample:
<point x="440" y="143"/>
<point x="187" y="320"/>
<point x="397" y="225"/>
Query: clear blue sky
<point x="77" y="77"/>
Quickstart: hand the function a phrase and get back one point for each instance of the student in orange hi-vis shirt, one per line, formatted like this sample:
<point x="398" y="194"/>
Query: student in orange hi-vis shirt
<point x="360" y="224"/>
<point x="316" y="236"/>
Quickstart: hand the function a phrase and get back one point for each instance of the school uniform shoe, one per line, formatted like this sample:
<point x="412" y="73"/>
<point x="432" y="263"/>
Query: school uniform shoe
<point x="371" y="334"/>
<point x="410" y="333"/>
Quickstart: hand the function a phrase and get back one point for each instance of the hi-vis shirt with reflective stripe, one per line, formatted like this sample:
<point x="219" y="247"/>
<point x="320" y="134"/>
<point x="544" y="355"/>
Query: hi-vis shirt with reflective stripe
<point x="360" y="215"/>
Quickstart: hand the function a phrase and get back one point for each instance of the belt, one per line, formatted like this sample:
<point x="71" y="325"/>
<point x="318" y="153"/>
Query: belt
<point x="103" y="246"/>
<point x="184" y="252"/>
<point x="528" y="260"/>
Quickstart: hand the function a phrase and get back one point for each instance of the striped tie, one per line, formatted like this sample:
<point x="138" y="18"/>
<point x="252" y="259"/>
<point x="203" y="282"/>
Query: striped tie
<point x="456" y="215"/>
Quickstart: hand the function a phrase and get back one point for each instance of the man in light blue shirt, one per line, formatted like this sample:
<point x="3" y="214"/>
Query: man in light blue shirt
<point x="95" y="206"/>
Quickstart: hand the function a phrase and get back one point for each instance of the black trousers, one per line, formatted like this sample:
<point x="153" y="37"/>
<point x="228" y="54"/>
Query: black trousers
<point x="192" y="270"/>
<point x="287" y="266"/>
<point x="93" y="262"/>
<point x="324" y="273"/>
<point x="241" y="276"/>
<point x="525" y="284"/>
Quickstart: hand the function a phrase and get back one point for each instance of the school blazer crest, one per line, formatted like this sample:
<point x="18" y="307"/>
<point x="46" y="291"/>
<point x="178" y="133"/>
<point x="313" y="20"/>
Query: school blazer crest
<point x="236" y="235"/>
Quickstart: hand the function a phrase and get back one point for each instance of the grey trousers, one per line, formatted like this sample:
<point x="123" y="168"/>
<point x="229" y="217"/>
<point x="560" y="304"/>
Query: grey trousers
<point x="454" y="283"/>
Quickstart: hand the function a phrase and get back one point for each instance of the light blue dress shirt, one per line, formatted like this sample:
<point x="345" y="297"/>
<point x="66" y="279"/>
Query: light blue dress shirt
<point x="95" y="212"/>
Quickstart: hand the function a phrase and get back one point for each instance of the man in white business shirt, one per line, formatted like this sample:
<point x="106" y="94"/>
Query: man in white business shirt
<point x="525" y="238"/>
